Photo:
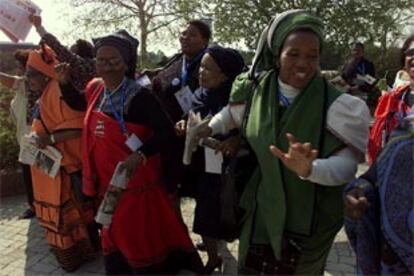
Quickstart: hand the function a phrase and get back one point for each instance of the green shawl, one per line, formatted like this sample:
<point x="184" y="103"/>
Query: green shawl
<point x="275" y="199"/>
<point x="277" y="202"/>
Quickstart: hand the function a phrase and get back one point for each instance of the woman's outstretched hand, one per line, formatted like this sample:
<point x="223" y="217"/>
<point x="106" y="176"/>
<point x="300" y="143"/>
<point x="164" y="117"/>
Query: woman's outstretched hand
<point x="356" y="204"/>
<point x="299" y="157"/>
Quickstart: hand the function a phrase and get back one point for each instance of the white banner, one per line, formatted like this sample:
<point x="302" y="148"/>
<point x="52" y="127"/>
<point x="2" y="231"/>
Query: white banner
<point x="14" y="18"/>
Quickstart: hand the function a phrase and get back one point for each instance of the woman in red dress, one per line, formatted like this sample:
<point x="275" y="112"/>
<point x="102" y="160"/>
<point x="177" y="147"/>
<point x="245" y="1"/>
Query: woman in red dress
<point x="125" y="123"/>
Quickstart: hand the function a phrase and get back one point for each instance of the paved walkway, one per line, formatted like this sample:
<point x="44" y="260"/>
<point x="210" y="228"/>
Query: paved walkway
<point x="24" y="251"/>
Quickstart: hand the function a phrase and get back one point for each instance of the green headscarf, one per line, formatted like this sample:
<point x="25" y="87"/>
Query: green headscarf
<point x="272" y="38"/>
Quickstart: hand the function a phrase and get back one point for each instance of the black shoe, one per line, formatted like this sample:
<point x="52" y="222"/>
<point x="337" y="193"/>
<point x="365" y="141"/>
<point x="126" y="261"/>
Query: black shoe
<point x="200" y="245"/>
<point x="28" y="214"/>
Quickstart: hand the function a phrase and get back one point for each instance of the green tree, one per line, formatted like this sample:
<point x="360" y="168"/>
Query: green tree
<point x="374" y="22"/>
<point x="143" y="17"/>
<point x="8" y="144"/>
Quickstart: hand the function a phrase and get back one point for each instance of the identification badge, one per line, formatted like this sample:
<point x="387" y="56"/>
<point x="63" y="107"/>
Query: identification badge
<point x="144" y="81"/>
<point x="183" y="97"/>
<point x="133" y="142"/>
<point x="213" y="161"/>
<point x="175" y="82"/>
<point x="366" y="79"/>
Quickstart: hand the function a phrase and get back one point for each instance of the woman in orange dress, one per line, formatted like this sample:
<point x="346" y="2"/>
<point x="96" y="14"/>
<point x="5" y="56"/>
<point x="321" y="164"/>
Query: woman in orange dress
<point x="61" y="208"/>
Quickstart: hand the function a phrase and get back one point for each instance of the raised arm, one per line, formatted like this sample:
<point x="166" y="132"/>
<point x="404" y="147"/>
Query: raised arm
<point x="7" y="80"/>
<point x="83" y="69"/>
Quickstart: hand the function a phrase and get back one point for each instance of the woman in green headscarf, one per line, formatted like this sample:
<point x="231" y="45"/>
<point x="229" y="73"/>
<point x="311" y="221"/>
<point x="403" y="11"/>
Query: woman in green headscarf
<point x="308" y="138"/>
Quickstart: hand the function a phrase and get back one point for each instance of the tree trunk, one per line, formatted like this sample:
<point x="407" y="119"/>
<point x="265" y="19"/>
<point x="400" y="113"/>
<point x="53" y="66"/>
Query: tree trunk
<point x="143" y="23"/>
<point x="143" y="48"/>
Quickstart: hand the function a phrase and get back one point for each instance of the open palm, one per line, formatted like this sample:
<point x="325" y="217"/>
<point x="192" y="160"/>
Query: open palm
<point x="299" y="157"/>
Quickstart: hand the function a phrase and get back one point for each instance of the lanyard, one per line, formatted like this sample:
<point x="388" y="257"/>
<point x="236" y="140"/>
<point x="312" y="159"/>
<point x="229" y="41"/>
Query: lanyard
<point x="119" y="116"/>
<point x="283" y="99"/>
<point x="185" y="66"/>
<point x="184" y="72"/>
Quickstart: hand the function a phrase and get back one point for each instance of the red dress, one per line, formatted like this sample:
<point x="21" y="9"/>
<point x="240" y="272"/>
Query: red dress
<point x="387" y="115"/>
<point x="145" y="228"/>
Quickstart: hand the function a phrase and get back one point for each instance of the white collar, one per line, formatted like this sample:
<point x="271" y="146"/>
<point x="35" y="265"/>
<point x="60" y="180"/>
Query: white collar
<point x="287" y="90"/>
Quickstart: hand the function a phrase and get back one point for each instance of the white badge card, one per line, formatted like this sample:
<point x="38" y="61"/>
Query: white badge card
<point x="183" y="97"/>
<point x="144" y="81"/>
<point x="370" y="79"/>
<point x="133" y="142"/>
<point x="213" y="161"/>
<point x="366" y="78"/>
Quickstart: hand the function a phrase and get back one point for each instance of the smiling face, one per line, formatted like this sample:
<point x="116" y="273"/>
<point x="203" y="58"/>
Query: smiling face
<point x="299" y="58"/>
<point x="192" y="41"/>
<point x="210" y="74"/>
<point x="409" y="61"/>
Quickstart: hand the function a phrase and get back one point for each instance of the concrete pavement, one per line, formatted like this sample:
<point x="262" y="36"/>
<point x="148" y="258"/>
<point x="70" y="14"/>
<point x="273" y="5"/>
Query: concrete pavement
<point x="24" y="251"/>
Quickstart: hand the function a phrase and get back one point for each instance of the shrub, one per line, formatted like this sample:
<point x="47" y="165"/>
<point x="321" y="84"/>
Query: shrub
<point x="9" y="148"/>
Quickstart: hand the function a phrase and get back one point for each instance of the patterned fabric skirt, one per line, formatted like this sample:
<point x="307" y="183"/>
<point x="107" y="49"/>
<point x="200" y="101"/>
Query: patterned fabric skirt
<point x="67" y="218"/>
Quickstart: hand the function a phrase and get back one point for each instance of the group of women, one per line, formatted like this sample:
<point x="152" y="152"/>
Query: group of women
<point x="307" y="137"/>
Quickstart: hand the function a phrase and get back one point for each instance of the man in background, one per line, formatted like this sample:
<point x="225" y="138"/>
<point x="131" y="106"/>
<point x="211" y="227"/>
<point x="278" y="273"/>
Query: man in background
<point x="359" y="73"/>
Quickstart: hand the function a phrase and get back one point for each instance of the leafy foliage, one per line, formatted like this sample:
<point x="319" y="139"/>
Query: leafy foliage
<point x="346" y="20"/>
<point x="143" y="18"/>
<point x="239" y="22"/>
<point x="379" y="24"/>
<point x="8" y="144"/>
<point x="9" y="148"/>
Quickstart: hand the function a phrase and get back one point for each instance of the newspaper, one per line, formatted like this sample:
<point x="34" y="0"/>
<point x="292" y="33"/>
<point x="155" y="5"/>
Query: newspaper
<point x="14" y="18"/>
<point x="367" y="78"/>
<point x="47" y="160"/>
<point x="119" y="178"/>
<point x="194" y="125"/>
<point x="116" y="187"/>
